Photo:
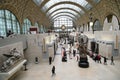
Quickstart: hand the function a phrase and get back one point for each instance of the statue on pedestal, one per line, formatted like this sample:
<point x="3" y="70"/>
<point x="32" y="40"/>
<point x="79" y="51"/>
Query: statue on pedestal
<point x="83" y="41"/>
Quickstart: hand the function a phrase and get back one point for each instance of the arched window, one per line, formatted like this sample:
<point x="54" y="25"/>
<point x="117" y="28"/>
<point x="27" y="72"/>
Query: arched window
<point x="97" y="26"/>
<point x="36" y="24"/>
<point x="63" y="20"/>
<point x="8" y="21"/>
<point x="42" y="29"/>
<point x="111" y="23"/>
<point x="26" y="26"/>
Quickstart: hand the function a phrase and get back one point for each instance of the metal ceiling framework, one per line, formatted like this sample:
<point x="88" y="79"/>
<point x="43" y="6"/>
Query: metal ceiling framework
<point x="70" y="14"/>
<point x="73" y="19"/>
<point x="66" y="2"/>
<point x="57" y="17"/>
<point x="65" y="10"/>
<point x="83" y="5"/>
<point x="63" y="13"/>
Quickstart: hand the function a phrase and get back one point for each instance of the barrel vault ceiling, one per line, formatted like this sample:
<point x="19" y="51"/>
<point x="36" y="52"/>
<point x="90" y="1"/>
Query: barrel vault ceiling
<point x="73" y="9"/>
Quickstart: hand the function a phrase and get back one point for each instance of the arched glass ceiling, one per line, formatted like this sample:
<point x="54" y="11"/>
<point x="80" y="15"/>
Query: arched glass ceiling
<point x="83" y="3"/>
<point x="63" y="14"/>
<point x="63" y="17"/>
<point x="58" y="17"/>
<point x="65" y="6"/>
<point x="63" y="21"/>
<point x="66" y="10"/>
<point x="53" y="18"/>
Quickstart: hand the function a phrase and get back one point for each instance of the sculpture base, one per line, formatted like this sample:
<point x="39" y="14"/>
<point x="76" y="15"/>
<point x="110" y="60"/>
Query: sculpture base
<point x="83" y="62"/>
<point x="16" y="68"/>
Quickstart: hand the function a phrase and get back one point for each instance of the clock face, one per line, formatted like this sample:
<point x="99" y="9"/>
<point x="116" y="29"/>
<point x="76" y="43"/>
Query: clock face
<point x="63" y="27"/>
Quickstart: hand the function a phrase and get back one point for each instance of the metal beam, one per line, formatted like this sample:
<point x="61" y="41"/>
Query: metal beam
<point x="91" y="2"/>
<point x="43" y="3"/>
<point x="64" y="12"/>
<point x="66" y="2"/>
<point x="64" y="8"/>
<point x="74" y="20"/>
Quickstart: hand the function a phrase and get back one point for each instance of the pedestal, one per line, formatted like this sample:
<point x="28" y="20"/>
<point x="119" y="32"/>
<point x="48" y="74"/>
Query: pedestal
<point x="16" y="68"/>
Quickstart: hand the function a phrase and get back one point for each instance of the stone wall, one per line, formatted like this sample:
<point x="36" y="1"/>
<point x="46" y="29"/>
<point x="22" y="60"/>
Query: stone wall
<point x="101" y="10"/>
<point x="109" y="44"/>
<point x="28" y="9"/>
<point x="25" y="9"/>
<point x="36" y="48"/>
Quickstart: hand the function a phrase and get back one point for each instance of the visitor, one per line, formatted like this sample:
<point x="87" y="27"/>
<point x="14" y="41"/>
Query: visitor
<point x="36" y="60"/>
<point x="50" y="60"/>
<point x="99" y="58"/>
<point x="9" y="33"/>
<point x="112" y="60"/>
<point x="53" y="71"/>
<point x="105" y="60"/>
<point x="74" y="52"/>
<point x="77" y="58"/>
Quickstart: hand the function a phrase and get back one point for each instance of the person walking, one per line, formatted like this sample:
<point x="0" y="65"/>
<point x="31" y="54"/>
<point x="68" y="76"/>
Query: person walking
<point x="77" y="58"/>
<point x="112" y="60"/>
<point x="99" y="58"/>
<point x="105" y="60"/>
<point x="36" y="60"/>
<point x="74" y="52"/>
<point x="50" y="60"/>
<point x="53" y="71"/>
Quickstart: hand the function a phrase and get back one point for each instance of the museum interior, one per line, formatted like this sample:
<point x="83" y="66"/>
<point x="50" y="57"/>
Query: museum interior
<point x="59" y="39"/>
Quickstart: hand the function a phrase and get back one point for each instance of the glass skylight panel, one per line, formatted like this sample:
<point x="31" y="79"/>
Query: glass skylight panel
<point x="88" y="6"/>
<point x="63" y="21"/>
<point x="65" y="10"/>
<point x="63" y="15"/>
<point x="52" y="2"/>
<point x="82" y="12"/>
<point x="64" y="6"/>
<point x="38" y="2"/>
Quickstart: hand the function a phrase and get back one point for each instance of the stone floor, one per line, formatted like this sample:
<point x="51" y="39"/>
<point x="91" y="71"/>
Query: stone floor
<point x="70" y="71"/>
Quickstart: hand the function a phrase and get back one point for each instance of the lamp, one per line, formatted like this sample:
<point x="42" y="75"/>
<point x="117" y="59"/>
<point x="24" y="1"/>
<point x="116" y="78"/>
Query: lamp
<point x="91" y="22"/>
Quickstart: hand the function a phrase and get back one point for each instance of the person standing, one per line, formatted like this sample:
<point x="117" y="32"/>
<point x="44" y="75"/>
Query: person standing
<point x="36" y="60"/>
<point x="53" y="71"/>
<point x="50" y="60"/>
<point x="105" y="60"/>
<point x="74" y="52"/>
<point x="112" y="60"/>
<point x="77" y="58"/>
<point x="99" y="58"/>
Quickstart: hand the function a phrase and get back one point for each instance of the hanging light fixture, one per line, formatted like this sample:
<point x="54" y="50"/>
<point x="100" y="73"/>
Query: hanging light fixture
<point x="91" y="22"/>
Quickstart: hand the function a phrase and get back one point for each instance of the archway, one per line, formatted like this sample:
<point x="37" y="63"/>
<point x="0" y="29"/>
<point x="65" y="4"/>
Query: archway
<point x="111" y="23"/>
<point x="97" y="26"/>
<point x="26" y="26"/>
<point x="8" y="22"/>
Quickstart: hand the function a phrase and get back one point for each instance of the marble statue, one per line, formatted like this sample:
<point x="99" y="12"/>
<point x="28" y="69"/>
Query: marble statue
<point x="12" y="58"/>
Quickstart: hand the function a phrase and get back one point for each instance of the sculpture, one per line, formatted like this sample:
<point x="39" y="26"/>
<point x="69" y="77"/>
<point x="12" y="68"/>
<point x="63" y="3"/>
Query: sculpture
<point x="83" y="41"/>
<point x="13" y="57"/>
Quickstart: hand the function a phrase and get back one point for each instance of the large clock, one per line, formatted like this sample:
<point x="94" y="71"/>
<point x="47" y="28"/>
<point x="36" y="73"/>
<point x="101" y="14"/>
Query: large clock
<point x="63" y="27"/>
